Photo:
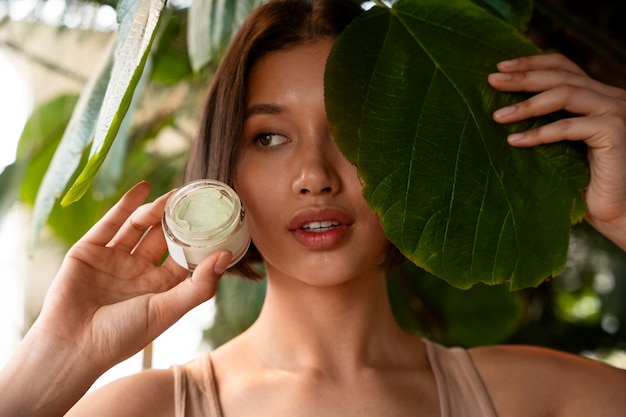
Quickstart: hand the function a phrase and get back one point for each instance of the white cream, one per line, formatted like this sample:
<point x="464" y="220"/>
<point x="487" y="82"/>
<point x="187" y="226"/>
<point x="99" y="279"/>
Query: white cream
<point x="203" y="210"/>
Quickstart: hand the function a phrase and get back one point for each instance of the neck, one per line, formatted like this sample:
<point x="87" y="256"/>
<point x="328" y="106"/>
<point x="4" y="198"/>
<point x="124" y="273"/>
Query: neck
<point x="337" y="327"/>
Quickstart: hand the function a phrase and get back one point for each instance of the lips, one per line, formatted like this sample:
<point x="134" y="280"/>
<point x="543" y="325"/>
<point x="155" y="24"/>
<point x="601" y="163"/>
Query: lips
<point x="320" y="229"/>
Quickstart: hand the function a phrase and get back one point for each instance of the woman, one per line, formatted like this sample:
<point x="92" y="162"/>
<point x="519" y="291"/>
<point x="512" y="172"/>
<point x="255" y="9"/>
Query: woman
<point x="325" y="342"/>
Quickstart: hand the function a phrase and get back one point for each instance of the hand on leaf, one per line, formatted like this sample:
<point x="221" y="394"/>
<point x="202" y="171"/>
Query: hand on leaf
<point x="598" y="117"/>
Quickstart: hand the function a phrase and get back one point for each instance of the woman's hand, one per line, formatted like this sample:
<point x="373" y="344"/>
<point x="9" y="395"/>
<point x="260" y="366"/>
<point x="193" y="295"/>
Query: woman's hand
<point x="110" y="298"/>
<point x="598" y="118"/>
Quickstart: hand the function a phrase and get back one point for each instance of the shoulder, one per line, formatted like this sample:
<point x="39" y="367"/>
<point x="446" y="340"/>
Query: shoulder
<point x="147" y="393"/>
<point x="526" y="380"/>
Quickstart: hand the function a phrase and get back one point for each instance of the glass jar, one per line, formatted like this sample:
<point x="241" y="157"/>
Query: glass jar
<point x="201" y="217"/>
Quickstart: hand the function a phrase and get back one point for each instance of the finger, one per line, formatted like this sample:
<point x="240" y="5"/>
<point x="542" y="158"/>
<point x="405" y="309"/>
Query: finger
<point x="167" y="307"/>
<point x="576" y="128"/>
<point x="574" y="100"/>
<point x="538" y="81"/>
<point x="137" y="223"/>
<point x="104" y="230"/>
<point x="540" y="62"/>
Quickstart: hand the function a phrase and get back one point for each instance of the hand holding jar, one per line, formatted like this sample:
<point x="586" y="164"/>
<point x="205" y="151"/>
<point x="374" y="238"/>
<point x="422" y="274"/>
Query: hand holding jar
<point x="110" y="298"/>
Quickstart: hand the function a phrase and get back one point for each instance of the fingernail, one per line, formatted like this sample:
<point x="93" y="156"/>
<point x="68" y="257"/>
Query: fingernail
<point x="508" y="63"/>
<point x="504" y="111"/>
<point x="222" y="263"/>
<point x="500" y="76"/>
<point x="516" y="137"/>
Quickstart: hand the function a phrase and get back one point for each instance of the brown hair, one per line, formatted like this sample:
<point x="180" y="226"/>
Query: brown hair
<point x="276" y="25"/>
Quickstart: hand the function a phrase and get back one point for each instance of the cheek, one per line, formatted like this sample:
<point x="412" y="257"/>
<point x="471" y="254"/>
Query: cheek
<point x="265" y="231"/>
<point x="260" y="193"/>
<point x="375" y="228"/>
<point x="247" y="181"/>
<point x="378" y="232"/>
<point x="254" y="211"/>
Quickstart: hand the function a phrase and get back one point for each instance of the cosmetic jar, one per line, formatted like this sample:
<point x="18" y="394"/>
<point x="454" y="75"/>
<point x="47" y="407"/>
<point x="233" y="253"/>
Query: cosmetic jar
<point x="201" y="217"/>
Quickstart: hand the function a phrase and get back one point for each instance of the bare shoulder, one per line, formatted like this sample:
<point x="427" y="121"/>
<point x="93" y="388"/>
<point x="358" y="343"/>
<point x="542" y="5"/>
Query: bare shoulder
<point x="526" y="380"/>
<point x="147" y="393"/>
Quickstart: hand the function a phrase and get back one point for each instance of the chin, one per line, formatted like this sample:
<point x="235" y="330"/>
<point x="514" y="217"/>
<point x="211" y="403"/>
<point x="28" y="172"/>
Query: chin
<point x="328" y="270"/>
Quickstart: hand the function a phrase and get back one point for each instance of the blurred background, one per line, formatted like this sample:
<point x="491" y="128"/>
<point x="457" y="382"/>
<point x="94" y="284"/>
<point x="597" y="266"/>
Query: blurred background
<point x="49" y="49"/>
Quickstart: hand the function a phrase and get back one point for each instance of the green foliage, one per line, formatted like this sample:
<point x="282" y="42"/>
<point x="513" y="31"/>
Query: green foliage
<point x="10" y="179"/>
<point x="452" y="195"/>
<point x="138" y="21"/>
<point x="189" y="42"/>
<point x="78" y="134"/>
<point x="429" y="306"/>
<point x="239" y="303"/>
<point x="40" y="144"/>
<point x="34" y="147"/>
<point x="41" y="135"/>
<point x="584" y="308"/>
<point x="170" y="61"/>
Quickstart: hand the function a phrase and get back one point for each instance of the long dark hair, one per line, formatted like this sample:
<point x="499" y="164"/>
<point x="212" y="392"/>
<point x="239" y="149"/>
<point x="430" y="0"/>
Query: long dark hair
<point x="276" y="25"/>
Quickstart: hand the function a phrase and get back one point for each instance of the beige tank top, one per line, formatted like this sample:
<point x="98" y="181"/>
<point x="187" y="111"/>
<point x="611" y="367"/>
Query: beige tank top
<point x="461" y="390"/>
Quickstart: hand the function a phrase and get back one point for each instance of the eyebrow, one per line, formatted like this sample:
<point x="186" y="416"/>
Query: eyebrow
<point x="264" y="109"/>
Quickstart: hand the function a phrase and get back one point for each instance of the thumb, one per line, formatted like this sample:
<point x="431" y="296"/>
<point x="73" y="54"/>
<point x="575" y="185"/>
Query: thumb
<point x="169" y="306"/>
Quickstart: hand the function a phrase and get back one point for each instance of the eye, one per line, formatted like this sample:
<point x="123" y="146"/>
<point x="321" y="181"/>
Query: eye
<point x="266" y="139"/>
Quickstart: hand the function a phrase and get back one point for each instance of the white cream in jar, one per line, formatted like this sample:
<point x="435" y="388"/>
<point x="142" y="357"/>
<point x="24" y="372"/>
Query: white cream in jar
<point x="202" y="217"/>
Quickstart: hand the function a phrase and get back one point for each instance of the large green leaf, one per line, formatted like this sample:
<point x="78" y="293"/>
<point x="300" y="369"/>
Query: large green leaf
<point x="407" y="97"/>
<point x="139" y="20"/>
<point x="211" y="25"/>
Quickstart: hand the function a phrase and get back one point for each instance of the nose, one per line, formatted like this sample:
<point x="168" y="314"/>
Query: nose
<point x="319" y="166"/>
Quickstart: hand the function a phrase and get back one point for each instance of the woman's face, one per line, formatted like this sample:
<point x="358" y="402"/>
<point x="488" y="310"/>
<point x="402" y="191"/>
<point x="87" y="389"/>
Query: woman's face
<point x="306" y="212"/>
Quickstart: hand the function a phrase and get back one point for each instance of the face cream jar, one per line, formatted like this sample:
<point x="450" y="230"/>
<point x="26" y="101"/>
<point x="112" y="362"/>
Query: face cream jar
<point x="201" y="217"/>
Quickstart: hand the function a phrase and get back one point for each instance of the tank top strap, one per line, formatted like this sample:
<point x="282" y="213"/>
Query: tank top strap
<point x="462" y="392"/>
<point x="195" y="389"/>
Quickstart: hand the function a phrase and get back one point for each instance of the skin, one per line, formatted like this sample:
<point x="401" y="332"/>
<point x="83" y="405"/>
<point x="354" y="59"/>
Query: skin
<point x="326" y="341"/>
